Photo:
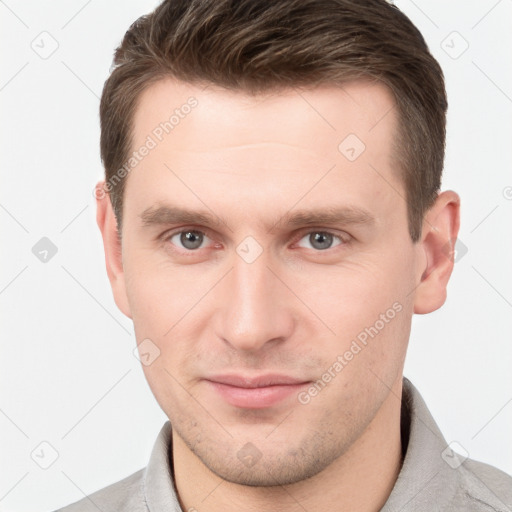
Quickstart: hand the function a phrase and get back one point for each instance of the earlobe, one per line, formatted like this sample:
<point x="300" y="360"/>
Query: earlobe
<point x="107" y="224"/>
<point x="440" y="230"/>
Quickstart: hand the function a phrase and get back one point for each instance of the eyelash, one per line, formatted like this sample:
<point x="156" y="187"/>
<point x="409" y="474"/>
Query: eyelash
<point x="344" y="239"/>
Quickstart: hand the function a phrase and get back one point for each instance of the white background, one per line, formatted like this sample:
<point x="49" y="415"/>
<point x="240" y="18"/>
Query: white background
<point x="68" y="375"/>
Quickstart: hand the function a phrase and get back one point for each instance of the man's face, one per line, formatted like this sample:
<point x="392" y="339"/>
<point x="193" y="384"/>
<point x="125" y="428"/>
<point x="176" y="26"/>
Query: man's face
<point x="252" y="294"/>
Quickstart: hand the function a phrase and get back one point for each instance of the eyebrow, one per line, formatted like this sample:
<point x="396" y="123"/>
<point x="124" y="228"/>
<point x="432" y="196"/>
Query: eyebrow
<point x="175" y="215"/>
<point x="330" y="215"/>
<point x="341" y="215"/>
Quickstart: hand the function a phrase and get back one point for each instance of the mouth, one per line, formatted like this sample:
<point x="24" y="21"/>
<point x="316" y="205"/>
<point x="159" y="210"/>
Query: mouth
<point x="256" y="392"/>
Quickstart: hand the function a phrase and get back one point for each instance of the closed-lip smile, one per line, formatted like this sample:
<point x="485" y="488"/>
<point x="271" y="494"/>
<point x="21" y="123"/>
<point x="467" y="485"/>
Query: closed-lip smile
<point x="255" y="392"/>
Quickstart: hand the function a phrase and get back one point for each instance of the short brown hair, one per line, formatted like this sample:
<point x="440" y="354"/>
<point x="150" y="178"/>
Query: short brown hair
<point x="258" y="46"/>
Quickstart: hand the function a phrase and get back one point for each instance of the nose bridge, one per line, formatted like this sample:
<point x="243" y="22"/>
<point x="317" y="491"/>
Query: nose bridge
<point x="254" y="311"/>
<point x="251" y="286"/>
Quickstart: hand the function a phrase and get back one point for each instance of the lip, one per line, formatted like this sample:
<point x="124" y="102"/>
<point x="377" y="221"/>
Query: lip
<point x="255" y="392"/>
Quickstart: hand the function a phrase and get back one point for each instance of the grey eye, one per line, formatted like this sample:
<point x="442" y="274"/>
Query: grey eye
<point x="321" y="240"/>
<point x="190" y="239"/>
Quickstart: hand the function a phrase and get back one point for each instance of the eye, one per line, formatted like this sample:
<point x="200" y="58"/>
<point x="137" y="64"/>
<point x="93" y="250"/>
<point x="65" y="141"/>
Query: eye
<point x="190" y="239"/>
<point x="321" y="240"/>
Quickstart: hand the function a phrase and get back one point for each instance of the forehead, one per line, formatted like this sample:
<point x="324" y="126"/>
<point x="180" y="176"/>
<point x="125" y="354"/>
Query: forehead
<point x="272" y="148"/>
<point x="362" y="107"/>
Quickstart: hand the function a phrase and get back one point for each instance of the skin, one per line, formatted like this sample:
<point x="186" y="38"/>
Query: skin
<point x="292" y="311"/>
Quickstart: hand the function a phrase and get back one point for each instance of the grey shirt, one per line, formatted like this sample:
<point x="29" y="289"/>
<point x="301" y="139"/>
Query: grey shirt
<point x="433" y="476"/>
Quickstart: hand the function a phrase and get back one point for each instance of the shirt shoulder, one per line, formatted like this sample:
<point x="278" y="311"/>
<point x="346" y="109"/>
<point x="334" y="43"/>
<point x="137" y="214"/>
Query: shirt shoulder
<point x="484" y="487"/>
<point x="126" y="495"/>
<point x="434" y="477"/>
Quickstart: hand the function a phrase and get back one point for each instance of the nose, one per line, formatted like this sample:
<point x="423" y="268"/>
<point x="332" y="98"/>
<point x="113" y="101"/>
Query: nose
<point x="256" y="309"/>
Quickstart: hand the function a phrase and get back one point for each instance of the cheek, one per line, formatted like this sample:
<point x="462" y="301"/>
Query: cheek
<point x="160" y="302"/>
<point x="159" y="295"/>
<point x="351" y="296"/>
<point x="163" y="301"/>
<point x="369" y="308"/>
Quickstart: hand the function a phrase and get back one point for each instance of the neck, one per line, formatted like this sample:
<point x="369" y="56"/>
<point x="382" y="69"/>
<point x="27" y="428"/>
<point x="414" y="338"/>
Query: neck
<point x="361" y="479"/>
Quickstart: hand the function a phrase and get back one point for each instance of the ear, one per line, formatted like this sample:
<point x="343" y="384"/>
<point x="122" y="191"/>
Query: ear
<point x="112" y="245"/>
<point x="437" y="249"/>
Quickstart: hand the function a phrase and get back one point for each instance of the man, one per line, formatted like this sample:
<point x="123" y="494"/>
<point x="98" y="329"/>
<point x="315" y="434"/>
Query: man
<point x="272" y="219"/>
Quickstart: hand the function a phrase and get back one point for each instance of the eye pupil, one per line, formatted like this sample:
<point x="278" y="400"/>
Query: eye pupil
<point x="321" y="240"/>
<point x="191" y="239"/>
